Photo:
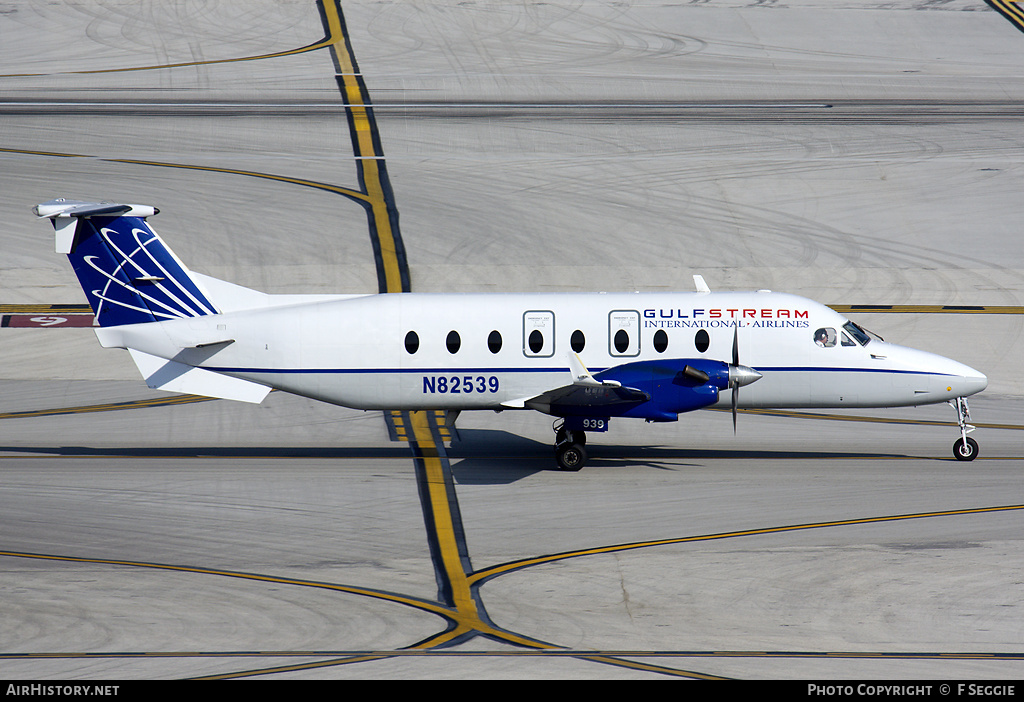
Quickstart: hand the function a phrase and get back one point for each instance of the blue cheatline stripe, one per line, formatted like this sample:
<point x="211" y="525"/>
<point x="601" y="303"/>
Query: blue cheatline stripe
<point x="804" y="369"/>
<point x="564" y="369"/>
<point x="357" y="371"/>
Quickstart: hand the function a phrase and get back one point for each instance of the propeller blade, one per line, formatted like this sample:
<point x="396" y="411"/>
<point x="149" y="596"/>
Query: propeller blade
<point x="735" y="399"/>
<point x="735" y="364"/>
<point x="739" y="375"/>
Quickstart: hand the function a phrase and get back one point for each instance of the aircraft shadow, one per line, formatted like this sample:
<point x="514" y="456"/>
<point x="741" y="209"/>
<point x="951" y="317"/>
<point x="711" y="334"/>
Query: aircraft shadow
<point x="478" y="456"/>
<point x="489" y="456"/>
<point x="496" y="457"/>
<point x="399" y="451"/>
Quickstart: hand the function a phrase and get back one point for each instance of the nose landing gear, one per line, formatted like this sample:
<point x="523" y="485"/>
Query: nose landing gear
<point x="965" y="448"/>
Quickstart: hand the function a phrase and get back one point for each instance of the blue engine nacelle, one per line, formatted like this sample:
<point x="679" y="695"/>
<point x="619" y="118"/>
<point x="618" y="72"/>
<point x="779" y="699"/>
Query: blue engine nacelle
<point x="654" y="390"/>
<point x="674" y="385"/>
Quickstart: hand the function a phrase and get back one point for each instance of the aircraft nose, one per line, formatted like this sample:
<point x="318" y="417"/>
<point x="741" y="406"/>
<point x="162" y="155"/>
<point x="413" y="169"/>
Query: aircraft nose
<point x="964" y="380"/>
<point x="974" y="382"/>
<point x="951" y="378"/>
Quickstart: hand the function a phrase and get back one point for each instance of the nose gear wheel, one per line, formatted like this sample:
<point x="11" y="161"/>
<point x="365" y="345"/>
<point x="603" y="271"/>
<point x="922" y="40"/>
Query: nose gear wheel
<point x="965" y="448"/>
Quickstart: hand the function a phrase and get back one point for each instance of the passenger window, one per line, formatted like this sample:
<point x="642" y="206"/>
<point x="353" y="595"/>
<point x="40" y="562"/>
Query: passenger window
<point x="539" y="333"/>
<point x="453" y="342"/>
<point x="412" y="342"/>
<point x="825" y="337"/>
<point x="660" y="341"/>
<point x="702" y="341"/>
<point x="536" y="341"/>
<point x="494" y="341"/>
<point x="621" y="341"/>
<point x="577" y="341"/>
<point x="624" y="333"/>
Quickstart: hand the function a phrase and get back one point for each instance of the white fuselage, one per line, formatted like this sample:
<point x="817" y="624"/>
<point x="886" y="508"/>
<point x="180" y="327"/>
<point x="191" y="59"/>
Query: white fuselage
<point x="352" y="350"/>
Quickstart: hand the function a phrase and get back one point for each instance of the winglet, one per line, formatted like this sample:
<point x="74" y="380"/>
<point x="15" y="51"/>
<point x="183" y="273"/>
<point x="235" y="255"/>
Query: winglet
<point x="582" y="376"/>
<point x="702" y="287"/>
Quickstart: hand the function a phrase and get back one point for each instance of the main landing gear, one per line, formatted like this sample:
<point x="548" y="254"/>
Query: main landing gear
<point x="570" y="447"/>
<point x="965" y="448"/>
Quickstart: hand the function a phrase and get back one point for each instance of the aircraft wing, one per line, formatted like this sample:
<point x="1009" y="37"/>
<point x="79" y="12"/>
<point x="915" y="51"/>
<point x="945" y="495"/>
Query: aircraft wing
<point x="600" y="396"/>
<point x="584" y="391"/>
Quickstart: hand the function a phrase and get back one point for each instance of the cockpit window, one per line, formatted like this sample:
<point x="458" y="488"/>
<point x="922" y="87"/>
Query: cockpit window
<point x="825" y="337"/>
<point x="862" y="336"/>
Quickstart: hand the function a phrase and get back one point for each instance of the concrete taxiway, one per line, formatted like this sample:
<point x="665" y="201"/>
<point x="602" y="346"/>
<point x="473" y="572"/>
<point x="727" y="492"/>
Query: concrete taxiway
<point x="593" y="146"/>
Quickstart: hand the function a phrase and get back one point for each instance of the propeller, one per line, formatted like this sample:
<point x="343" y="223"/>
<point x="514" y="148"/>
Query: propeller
<point x="739" y="375"/>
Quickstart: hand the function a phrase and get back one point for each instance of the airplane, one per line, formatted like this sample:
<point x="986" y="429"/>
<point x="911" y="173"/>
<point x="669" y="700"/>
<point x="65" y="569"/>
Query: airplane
<point x="583" y="358"/>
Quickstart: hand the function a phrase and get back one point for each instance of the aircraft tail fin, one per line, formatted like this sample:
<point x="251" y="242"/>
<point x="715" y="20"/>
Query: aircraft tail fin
<point x="128" y="273"/>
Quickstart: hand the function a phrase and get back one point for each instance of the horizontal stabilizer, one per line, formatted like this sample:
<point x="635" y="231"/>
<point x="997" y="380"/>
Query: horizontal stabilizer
<point x="65" y="215"/>
<point x="81" y="208"/>
<point x="161" y="374"/>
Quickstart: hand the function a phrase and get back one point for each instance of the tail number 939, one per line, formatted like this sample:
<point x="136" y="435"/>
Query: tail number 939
<point x="459" y="384"/>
